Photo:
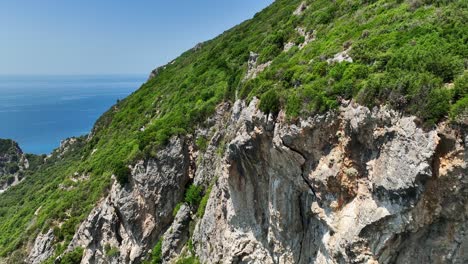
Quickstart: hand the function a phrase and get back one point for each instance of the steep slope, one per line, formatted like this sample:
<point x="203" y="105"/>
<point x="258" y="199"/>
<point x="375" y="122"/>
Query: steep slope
<point x="264" y="122"/>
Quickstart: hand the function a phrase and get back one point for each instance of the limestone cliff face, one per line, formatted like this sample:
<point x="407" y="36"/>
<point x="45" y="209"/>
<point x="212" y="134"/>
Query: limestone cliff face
<point x="356" y="186"/>
<point x="352" y="186"/>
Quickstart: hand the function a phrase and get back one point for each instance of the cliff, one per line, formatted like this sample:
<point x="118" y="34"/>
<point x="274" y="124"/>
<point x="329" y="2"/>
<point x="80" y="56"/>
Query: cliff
<point x="316" y="132"/>
<point x="352" y="186"/>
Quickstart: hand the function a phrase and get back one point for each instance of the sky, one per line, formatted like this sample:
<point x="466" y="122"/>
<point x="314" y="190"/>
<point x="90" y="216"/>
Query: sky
<point x="67" y="37"/>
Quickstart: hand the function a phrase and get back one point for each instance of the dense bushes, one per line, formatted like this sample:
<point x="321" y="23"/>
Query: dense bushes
<point x="73" y="257"/>
<point x="193" y="195"/>
<point x="203" y="203"/>
<point x="270" y="102"/>
<point x="188" y="260"/>
<point x="459" y="109"/>
<point x="460" y="97"/>
<point x="156" y="254"/>
<point x="122" y="173"/>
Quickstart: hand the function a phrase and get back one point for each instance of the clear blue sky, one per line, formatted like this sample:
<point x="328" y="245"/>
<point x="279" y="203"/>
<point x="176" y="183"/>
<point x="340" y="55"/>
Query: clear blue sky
<point x="109" y="36"/>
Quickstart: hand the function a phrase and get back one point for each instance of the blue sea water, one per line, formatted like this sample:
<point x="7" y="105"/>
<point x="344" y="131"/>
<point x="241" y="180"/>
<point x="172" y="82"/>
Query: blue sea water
<point x="39" y="111"/>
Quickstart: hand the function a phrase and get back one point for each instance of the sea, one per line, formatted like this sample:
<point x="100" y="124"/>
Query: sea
<point x="40" y="111"/>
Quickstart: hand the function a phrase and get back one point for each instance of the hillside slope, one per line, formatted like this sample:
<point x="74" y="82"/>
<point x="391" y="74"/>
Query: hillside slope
<point x="268" y="144"/>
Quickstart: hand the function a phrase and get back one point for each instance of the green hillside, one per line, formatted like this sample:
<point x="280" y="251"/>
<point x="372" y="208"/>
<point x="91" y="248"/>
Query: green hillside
<point x="411" y="55"/>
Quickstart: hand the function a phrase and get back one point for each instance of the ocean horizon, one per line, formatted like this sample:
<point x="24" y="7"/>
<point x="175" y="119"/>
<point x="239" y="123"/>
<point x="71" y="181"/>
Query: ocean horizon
<point x="38" y="111"/>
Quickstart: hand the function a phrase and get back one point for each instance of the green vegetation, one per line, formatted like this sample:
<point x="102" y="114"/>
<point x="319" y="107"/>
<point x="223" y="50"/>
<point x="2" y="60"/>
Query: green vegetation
<point x="73" y="257"/>
<point x="270" y="102"/>
<point x="193" y="195"/>
<point x="7" y="146"/>
<point x="111" y="251"/>
<point x="405" y="54"/>
<point x="460" y="95"/>
<point x="11" y="162"/>
<point x="202" y="143"/>
<point x="122" y="173"/>
<point x="188" y="260"/>
<point x="156" y="255"/>
<point x="176" y="209"/>
<point x="203" y="202"/>
<point x="40" y="193"/>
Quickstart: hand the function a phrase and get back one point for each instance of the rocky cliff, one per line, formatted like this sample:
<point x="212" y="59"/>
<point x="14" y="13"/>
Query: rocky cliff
<point x="356" y="185"/>
<point x="316" y="132"/>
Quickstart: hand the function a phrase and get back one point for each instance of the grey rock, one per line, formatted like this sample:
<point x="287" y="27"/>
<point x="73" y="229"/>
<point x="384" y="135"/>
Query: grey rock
<point x="133" y="217"/>
<point x="177" y="235"/>
<point x="42" y="248"/>
<point x="355" y="185"/>
<point x="300" y="9"/>
<point x="253" y="67"/>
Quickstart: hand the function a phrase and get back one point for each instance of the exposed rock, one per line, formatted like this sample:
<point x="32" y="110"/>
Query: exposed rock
<point x="42" y="248"/>
<point x="66" y="146"/>
<point x="253" y="68"/>
<point x="300" y="9"/>
<point x="341" y="56"/>
<point x="132" y="218"/>
<point x="356" y="186"/>
<point x="288" y="46"/>
<point x="177" y="235"/>
<point x="154" y="73"/>
<point x="309" y="36"/>
<point x="198" y="47"/>
<point x="352" y="186"/>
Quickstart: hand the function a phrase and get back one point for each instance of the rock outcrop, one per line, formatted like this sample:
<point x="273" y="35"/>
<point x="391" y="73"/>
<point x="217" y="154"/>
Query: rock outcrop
<point x="42" y="248"/>
<point x="132" y="218"/>
<point x="254" y="68"/>
<point x="355" y="185"/>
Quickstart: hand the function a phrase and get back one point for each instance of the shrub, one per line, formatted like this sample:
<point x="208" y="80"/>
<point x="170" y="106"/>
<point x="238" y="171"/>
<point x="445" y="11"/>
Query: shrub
<point x="202" y="143"/>
<point x="203" y="203"/>
<point x="111" y="251"/>
<point x="122" y="173"/>
<point x="188" y="260"/>
<point x="270" y="102"/>
<point x="73" y="257"/>
<point x="437" y="105"/>
<point x="461" y="87"/>
<point x="156" y="255"/>
<point x="176" y="209"/>
<point x="193" y="195"/>
<point x="459" y="109"/>
<point x="293" y="105"/>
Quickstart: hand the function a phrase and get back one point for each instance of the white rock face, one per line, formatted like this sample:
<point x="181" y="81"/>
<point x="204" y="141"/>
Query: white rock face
<point x="42" y="248"/>
<point x="357" y="186"/>
<point x="352" y="186"/>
